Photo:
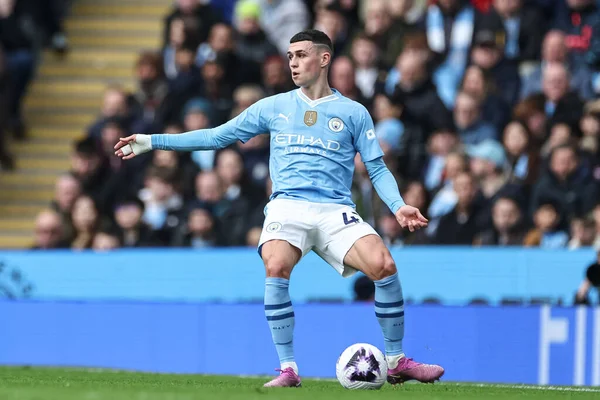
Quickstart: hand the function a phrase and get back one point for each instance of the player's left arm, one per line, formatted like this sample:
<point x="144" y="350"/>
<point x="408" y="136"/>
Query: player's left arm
<point x="366" y="143"/>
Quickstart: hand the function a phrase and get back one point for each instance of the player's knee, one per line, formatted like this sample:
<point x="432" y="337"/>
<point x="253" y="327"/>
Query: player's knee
<point x="383" y="267"/>
<point x="278" y="269"/>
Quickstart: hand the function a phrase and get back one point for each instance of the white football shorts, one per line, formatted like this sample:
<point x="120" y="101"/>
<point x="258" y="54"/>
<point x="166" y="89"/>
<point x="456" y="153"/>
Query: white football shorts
<point x="328" y="229"/>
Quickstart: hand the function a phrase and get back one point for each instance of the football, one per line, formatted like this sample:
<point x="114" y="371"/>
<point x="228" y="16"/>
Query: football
<point x="362" y="366"/>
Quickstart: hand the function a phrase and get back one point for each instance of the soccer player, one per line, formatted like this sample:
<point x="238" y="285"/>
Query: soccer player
<point x="315" y="135"/>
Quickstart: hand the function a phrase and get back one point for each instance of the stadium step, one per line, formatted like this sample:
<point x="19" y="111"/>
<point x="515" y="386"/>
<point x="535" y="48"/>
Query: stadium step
<point x="91" y="104"/>
<point x="85" y="71"/>
<point x="98" y="25"/>
<point x="51" y="119"/>
<point x="119" y="10"/>
<point x="117" y="40"/>
<point x="29" y="179"/>
<point x="15" y="240"/>
<point x="39" y="163"/>
<point x="96" y="56"/>
<point x="25" y="209"/>
<point x="76" y="87"/>
<point x="91" y="56"/>
<point x="42" y="147"/>
<point x="105" y="39"/>
<point x="56" y="132"/>
<point x="22" y="193"/>
<point x="15" y="224"/>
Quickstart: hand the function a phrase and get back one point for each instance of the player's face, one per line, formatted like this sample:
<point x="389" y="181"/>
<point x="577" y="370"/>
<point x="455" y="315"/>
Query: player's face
<point x="306" y="62"/>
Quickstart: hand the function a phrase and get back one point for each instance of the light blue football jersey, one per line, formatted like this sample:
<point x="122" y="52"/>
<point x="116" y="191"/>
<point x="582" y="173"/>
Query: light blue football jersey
<point x="313" y="143"/>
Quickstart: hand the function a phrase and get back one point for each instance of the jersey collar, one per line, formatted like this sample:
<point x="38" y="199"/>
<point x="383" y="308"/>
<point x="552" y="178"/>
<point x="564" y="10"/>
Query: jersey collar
<point x="314" y="103"/>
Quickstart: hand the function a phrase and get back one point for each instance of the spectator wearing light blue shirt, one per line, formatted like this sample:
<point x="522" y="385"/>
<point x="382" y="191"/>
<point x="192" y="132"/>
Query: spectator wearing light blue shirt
<point x="546" y="233"/>
<point x="469" y="124"/>
<point x="389" y="128"/>
<point x="554" y="50"/>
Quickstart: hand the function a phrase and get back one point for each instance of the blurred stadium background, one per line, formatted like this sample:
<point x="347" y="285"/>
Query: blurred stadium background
<point x="489" y="115"/>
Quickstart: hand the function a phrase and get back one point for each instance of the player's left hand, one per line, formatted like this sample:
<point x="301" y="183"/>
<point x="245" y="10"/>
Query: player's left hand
<point x="410" y="217"/>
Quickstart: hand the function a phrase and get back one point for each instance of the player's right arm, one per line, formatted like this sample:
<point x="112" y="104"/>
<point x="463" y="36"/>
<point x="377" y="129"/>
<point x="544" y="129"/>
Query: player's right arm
<point x="251" y="122"/>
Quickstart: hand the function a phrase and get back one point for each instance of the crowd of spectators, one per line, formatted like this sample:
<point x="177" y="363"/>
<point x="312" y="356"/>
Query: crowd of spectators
<point x="26" y="28"/>
<point x="487" y="111"/>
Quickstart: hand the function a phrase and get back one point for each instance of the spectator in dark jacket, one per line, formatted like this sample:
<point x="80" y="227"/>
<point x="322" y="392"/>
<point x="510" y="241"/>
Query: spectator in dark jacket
<point x="114" y="104"/>
<point x="493" y="108"/>
<point x="67" y="190"/>
<point x="488" y="53"/>
<point x="205" y="15"/>
<point x="252" y="46"/>
<point x="6" y="159"/>
<point x="423" y="112"/>
<point x="134" y="233"/>
<point x="88" y="167"/>
<point x="230" y="214"/>
<point x="523" y="25"/>
<point x="199" y="231"/>
<point x="591" y="280"/>
<point x="18" y="44"/>
<point x="508" y="225"/>
<point x="460" y="225"/>
<point x="152" y="86"/>
<point x="566" y="185"/>
<point x="581" y="24"/>
<point x="48" y="231"/>
<point x="562" y="104"/>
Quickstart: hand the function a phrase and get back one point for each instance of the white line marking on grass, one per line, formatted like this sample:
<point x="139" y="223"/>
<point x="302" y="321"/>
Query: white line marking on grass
<point x="527" y="387"/>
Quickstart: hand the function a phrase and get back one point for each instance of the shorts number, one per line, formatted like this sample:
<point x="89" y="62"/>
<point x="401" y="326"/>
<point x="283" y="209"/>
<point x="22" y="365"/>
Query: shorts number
<point x="352" y="219"/>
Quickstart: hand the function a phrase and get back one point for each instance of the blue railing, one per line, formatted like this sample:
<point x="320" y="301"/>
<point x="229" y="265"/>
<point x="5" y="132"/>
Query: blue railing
<point x="455" y="276"/>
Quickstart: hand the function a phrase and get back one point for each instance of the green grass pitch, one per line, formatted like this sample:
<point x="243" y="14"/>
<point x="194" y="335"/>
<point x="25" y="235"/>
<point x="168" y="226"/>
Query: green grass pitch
<point x="21" y="383"/>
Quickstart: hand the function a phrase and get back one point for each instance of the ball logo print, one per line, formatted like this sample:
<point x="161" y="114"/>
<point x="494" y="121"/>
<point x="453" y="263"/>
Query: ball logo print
<point x="273" y="227"/>
<point x="362" y="366"/>
<point x="367" y="374"/>
<point x="336" y="124"/>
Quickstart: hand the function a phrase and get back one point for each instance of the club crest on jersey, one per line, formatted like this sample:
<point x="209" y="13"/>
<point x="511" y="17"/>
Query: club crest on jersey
<point x="274" y="227"/>
<point x="310" y="118"/>
<point x="336" y="124"/>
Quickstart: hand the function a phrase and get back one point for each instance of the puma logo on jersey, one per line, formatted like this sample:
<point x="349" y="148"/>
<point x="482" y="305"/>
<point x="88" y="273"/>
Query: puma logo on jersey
<point x="286" y="117"/>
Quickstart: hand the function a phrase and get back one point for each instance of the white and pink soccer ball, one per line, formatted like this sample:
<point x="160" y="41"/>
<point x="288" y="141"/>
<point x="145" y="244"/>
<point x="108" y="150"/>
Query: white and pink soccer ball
<point x="362" y="366"/>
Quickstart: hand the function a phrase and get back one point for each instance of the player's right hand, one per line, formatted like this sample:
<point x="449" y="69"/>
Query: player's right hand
<point x="133" y="145"/>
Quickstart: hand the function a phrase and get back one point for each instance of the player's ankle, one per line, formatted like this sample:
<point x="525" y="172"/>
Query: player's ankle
<point x="290" y="364"/>
<point x="394" y="360"/>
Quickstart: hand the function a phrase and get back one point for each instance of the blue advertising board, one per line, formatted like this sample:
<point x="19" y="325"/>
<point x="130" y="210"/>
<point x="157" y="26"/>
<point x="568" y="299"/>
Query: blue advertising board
<point x="532" y="345"/>
<point x="455" y="276"/>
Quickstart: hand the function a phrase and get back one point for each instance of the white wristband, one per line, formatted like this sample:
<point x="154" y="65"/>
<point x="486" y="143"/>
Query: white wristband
<point x="142" y="144"/>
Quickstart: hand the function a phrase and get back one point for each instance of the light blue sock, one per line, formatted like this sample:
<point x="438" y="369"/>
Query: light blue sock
<point x="389" y="309"/>
<point x="280" y="316"/>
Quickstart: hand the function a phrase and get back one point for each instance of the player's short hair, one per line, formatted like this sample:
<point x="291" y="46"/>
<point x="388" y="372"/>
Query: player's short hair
<point x="317" y="37"/>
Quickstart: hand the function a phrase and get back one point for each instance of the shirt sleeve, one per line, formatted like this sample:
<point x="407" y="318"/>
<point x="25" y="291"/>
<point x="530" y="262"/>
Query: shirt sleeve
<point x="251" y="122"/>
<point x="385" y="184"/>
<point x="365" y="141"/>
